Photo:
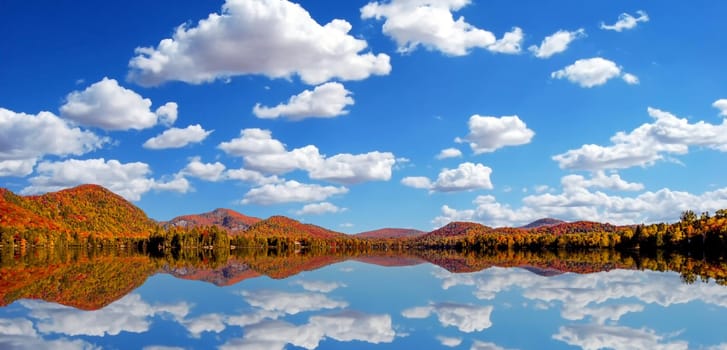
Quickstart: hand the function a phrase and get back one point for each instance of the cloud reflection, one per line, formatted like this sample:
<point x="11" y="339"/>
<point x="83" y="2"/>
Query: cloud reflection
<point x="466" y="317"/>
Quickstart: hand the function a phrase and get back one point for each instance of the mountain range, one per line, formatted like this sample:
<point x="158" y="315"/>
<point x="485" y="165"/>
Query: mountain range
<point x="92" y="209"/>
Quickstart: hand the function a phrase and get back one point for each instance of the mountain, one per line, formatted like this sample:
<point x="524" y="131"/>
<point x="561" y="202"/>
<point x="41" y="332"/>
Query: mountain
<point x="230" y="220"/>
<point x="457" y="228"/>
<point x="544" y="222"/>
<point x="86" y="209"/>
<point x="277" y="225"/>
<point x="390" y="233"/>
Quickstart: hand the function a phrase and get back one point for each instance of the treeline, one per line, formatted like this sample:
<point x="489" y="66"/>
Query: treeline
<point x="691" y="234"/>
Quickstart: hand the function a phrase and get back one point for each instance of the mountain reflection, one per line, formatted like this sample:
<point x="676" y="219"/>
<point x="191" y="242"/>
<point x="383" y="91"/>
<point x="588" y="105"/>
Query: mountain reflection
<point x="279" y="300"/>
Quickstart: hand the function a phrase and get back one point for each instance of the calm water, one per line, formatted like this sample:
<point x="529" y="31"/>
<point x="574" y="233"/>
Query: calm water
<point x="356" y="305"/>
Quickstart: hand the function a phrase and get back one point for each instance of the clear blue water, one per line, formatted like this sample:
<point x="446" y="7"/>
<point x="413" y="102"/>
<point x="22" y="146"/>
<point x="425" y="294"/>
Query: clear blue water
<point x="353" y="305"/>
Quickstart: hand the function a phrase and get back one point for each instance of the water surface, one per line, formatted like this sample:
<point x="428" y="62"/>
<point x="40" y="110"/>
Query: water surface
<point x="340" y="303"/>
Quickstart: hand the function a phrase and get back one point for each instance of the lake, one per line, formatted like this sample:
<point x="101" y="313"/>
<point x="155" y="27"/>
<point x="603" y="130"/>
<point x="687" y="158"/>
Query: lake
<point x="365" y="301"/>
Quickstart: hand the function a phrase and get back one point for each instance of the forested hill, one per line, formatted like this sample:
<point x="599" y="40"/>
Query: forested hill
<point x="82" y="210"/>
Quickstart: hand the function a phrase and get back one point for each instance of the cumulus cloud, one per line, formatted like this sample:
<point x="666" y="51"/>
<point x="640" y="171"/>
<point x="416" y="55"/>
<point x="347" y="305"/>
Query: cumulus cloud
<point x="591" y="336"/>
<point x="509" y="43"/>
<point x="250" y="176"/>
<point x="343" y="326"/>
<point x="177" y="138"/>
<point x="325" y="101"/>
<point x="19" y="334"/>
<point x="556" y="43"/>
<point x="626" y="21"/>
<point x="466" y="177"/>
<point x="261" y="152"/>
<point x="205" y="323"/>
<point x="578" y="201"/>
<point x="449" y="341"/>
<point x="26" y="138"/>
<point x="289" y="192"/>
<point x="480" y="345"/>
<point x="630" y="79"/>
<point x="465" y="317"/>
<point x="129" y="180"/>
<point x="592" y="72"/>
<point x="319" y="286"/>
<point x="205" y="171"/>
<point x="128" y="314"/>
<point x="647" y="144"/>
<point x="319" y="209"/>
<point x="275" y="38"/>
<point x="420" y="182"/>
<point x="291" y="303"/>
<point x="449" y="153"/>
<point x="487" y="134"/>
<point x="107" y="105"/>
<point x="721" y="104"/>
<point x="431" y="24"/>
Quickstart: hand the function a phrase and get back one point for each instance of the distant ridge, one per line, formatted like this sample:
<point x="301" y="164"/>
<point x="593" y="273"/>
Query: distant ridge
<point x="228" y="219"/>
<point x="391" y="233"/>
<point x="544" y="222"/>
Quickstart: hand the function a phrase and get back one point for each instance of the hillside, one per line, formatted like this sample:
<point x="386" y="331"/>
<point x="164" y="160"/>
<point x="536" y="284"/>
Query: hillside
<point x="86" y="209"/>
<point x="390" y="233"/>
<point x="458" y="228"/>
<point x="544" y="222"/>
<point x="227" y="219"/>
<point x="281" y="225"/>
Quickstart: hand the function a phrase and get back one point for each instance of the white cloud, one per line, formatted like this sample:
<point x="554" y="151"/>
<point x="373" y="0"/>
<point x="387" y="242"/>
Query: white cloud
<point x="344" y="326"/>
<point x="449" y="341"/>
<point x="290" y="191"/>
<point x="205" y="171"/>
<point x="480" y="345"/>
<point x="556" y="43"/>
<point x="466" y="177"/>
<point x="420" y="182"/>
<point x="354" y="168"/>
<point x="630" y="79"/>
<point x="261" y="152"/>
<point x="592" y="72"/>
<point x="626" y="21"/>
<point x="590" y="336"/>
<point x="128" y="314"/>
<point x="107" y="105"/>
<point x="578" y="202"/>
<point x="291" y="303"/>
<point x="648" y="143"/>
<point x="721" y="104"/>
<point x="325" y="101"/>
<point x="25" y="138"/>
<point x="488" y="134"/>
<point x="599" y="180"/>
<point x="177" y="138"/>
<point x="319" y="209"/>
<point x="465" y="317"/>
<point x="250" y="176"/>
<point x="167" y="113"/>
<point x="129" y="180"/>
<point x="18" y="168"/>
<point x="205" y="323"/>
<point x="449" y="153"/>
<point x="275" y="38"/>
<point x="509" y="43"/>
<point x="319" y="286"/>
<point x="19" y="334"/>
<point x="431" y="24"/>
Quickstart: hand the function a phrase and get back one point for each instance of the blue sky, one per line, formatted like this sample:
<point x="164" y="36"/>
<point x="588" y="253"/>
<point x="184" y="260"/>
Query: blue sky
<point x="357" y="115"/>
